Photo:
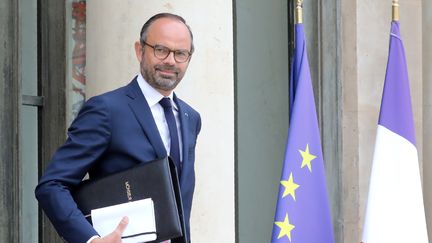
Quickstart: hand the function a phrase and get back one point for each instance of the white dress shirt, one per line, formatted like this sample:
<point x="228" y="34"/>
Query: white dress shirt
<point x="153" y="97"/>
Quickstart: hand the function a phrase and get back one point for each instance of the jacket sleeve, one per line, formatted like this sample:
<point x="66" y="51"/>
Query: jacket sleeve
<point x="88" y="138"/>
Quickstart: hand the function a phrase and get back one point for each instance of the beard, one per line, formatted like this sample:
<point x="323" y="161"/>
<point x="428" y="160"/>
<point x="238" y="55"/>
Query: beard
<point x="160" y="81"/>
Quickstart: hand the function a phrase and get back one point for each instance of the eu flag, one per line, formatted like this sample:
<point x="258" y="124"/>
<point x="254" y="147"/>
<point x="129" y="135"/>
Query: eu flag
<point x="302" y="211"/>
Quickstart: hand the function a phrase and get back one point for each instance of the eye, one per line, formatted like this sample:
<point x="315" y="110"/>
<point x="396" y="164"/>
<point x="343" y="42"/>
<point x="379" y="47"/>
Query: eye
<point x="161" y="50"/>
<point x="182" y="54"/>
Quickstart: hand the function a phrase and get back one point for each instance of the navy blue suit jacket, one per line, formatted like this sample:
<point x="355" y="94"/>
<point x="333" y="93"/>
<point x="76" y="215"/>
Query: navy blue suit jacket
<point x="111" y="133"/>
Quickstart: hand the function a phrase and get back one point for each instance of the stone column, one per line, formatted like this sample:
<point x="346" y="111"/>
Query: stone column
<point x="114" y="26"/>
<point x="427" y="112"/>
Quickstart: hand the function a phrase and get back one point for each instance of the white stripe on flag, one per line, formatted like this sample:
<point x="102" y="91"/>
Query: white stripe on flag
<point x="395" y="211"/>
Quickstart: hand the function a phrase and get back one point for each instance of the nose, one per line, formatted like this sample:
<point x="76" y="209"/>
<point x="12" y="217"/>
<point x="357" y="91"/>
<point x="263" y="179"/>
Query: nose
<point x="170" y="58"/>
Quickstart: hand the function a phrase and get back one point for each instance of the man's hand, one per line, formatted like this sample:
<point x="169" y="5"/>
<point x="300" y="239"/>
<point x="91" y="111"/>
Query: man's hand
<point x="115" y="236"/>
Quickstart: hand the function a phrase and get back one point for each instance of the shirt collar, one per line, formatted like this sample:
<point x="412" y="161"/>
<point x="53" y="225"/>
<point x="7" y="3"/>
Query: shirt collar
<point x="151" y="94"/>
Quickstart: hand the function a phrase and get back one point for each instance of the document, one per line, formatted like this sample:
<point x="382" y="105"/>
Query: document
<point x="141" y="227"/>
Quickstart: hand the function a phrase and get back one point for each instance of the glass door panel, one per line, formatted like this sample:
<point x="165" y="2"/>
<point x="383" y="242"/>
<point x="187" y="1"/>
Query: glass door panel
<point x="29" y="119"/>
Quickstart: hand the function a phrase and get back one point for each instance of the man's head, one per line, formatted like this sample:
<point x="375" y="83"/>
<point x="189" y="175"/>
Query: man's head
<point x="164" y="51"/>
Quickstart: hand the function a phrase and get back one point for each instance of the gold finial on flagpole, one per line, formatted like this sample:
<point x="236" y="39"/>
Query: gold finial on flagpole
<point x="299" y="12"/>
<point x="395" y="10"/>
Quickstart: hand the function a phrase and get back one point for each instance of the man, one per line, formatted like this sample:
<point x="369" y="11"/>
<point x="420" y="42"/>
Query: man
<point x="116" y="129"/>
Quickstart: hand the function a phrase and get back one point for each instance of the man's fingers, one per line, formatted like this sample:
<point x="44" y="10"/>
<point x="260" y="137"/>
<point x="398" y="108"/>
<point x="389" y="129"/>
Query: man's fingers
<point x="122" y="225"/>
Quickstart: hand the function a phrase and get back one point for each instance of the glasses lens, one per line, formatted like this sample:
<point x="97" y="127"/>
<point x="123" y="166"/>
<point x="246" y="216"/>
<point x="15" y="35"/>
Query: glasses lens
<point x="161" y="52"/>
<point x="181" y="55"/>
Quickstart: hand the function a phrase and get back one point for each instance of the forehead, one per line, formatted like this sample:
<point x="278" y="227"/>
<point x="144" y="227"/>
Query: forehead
<point x="169" y="32"/>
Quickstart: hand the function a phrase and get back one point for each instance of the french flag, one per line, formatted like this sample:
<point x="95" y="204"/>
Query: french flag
<point x="395" y="210"/>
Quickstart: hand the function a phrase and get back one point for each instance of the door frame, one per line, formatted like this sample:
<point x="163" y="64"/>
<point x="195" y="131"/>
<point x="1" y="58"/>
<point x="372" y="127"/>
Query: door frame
<point x="52" y="87"/>
<point x="10" y="102"/>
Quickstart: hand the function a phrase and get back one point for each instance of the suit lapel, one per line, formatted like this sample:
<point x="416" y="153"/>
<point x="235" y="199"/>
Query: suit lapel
<point x="142" y="112"/>
<point x="184" y="124"/>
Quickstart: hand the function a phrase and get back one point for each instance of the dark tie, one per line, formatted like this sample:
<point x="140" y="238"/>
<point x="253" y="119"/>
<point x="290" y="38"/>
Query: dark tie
<point x="175" y="148"/>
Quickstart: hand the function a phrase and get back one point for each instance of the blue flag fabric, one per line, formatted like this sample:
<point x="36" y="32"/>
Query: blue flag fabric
<point x="302" y="210"/>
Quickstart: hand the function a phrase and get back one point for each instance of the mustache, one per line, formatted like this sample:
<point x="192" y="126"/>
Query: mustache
<point x="167" y="68"/>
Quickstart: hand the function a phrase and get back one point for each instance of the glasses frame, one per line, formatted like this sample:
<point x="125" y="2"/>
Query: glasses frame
<point x="169" y="52"/>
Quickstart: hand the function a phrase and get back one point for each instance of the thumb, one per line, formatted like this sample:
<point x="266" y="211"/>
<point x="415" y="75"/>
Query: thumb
<point x="122" y="225"/>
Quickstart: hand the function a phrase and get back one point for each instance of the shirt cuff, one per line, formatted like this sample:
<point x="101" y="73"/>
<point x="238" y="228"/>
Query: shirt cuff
<point x="92" y="238"/>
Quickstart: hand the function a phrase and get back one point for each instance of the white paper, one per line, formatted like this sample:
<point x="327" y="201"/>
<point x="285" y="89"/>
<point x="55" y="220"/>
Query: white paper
<point x="141" y="220"/>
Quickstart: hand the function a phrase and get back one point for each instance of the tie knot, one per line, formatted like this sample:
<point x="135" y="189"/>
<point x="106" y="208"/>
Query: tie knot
<point x="165" y="103"/>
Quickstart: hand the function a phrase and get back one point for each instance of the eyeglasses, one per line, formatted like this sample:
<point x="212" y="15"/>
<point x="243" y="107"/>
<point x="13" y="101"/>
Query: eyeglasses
<point x="162" y="52"/>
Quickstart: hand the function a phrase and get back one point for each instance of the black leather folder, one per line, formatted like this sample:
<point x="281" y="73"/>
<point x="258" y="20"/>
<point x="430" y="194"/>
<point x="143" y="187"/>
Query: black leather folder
<point x="155" y="179"/>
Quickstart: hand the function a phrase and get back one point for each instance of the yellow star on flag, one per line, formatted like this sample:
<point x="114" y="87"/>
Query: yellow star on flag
<point x="285" y="228"/>
<point x="290" y="187"/>
<point x="307" y="158"/>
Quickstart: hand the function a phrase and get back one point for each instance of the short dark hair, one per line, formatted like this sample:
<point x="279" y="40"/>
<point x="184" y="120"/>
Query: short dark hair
<point x="144" y="29"/>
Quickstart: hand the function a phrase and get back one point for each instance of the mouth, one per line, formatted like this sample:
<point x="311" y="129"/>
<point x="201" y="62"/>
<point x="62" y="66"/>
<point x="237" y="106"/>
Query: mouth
<point x="167" y="72"/>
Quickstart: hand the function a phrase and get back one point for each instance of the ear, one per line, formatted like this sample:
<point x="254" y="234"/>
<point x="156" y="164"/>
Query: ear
<point x="138" y="50"/>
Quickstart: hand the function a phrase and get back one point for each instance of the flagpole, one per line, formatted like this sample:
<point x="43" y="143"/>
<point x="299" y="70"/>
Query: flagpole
<point x="299" y="12"/>
<point x="395" y="10"/>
